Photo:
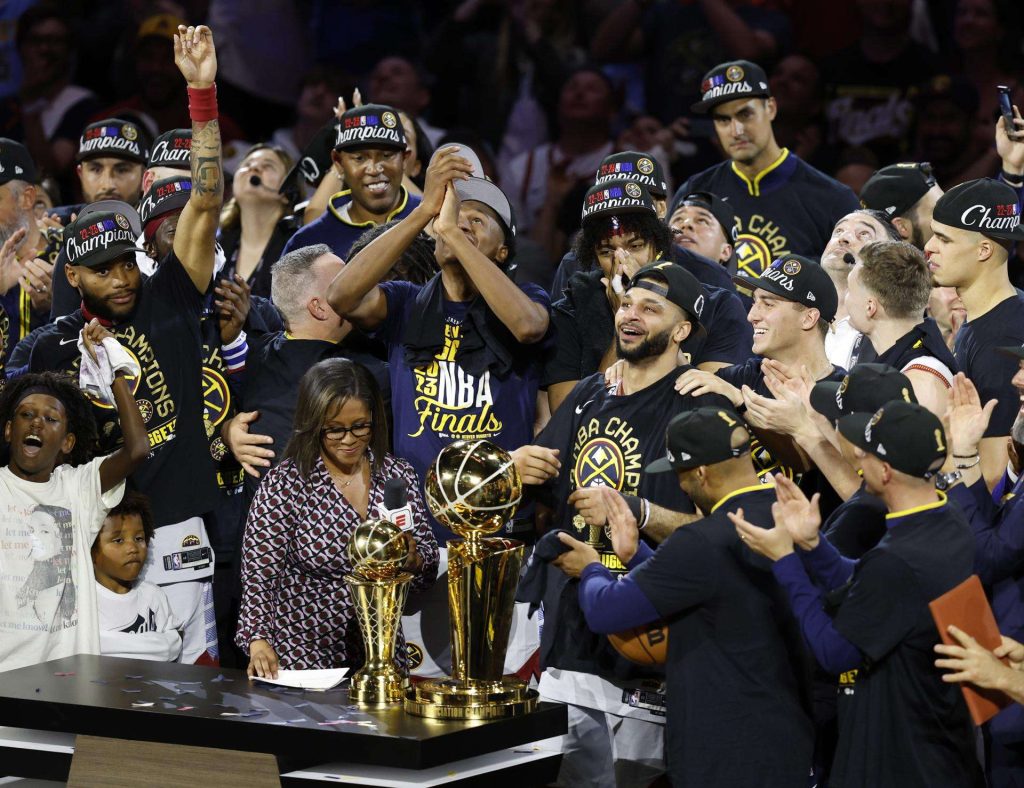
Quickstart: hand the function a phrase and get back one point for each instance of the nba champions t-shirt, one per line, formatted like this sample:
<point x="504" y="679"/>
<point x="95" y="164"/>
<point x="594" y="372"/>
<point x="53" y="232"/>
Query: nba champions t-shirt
<point x="47" y="591"/>
<point x="438" y="403"/>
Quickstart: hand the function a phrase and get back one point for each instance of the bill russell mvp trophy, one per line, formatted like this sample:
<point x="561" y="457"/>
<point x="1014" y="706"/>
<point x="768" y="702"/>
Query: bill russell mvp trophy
<point x="378" y="587"/>
<point x="474" y="488"/>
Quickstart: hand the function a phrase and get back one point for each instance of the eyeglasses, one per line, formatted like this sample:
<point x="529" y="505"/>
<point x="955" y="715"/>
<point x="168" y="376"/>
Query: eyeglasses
<point x="337" y="434"/>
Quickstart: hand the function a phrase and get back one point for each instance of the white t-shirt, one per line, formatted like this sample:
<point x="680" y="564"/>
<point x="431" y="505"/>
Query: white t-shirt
<point x="138" y="624"/>
<point x="47" y="589"/>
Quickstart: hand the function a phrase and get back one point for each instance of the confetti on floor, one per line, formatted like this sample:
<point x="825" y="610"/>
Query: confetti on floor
<point x="221" y="677"/>
<point x="133" y="676"/>
<point x="185" y="708"/>
<point x="142" y="704"/>
<point x="131" y="690"/>
<point x="62" y="675"/>
<point x="99" y="681"/>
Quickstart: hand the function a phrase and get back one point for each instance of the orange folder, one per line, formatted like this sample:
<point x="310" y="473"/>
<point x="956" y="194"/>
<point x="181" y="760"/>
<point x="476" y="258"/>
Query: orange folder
<point x="966" y="607"/>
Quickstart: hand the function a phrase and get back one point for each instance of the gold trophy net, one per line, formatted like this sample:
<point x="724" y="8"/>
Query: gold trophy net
<point x="378" y="589"/>
<point x="473" y="488"/>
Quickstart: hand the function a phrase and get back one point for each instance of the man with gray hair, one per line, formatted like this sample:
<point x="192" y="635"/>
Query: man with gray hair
<point x="27" y="253"/>
<point x="277" y="360"/>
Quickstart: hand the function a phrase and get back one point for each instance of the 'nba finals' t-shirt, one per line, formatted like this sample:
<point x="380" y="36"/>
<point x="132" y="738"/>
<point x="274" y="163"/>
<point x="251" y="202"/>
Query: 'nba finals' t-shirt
<point x="438" y="403"/>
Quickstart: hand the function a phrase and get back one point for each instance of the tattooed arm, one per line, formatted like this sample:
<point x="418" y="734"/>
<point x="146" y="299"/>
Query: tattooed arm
<point x="195" y="236"/>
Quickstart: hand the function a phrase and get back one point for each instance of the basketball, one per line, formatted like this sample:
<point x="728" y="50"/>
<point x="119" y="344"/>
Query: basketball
<point x="473" y="487"/>
<point x="646" y="645"/>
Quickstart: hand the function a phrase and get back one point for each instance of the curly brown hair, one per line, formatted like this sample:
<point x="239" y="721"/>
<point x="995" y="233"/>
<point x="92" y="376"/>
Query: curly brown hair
<point x="81" y="422"/>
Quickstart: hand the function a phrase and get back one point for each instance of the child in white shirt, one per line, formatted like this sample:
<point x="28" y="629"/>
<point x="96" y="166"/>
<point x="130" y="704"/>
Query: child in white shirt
<point x="136" y="620"/>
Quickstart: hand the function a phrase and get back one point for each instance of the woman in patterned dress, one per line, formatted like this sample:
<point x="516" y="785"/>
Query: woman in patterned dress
<point x="296" y="611"/>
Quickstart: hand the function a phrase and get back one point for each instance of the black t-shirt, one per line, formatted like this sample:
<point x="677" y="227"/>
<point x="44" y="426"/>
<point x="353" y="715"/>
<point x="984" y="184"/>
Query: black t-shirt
<point x="790" y="208"/>
<point x="868" y="103"/>
<point x="164" y="336"/>
<point x="857" y="524"/>
<point x="900" y="724"/>
<point x="989" y="370"/>
<point x="604" y="439"/>
<point x="922" y="340"/>
<point x="585" y="328"/>
<point x="749" y="374"/>
<point x="273" y="369"/>
<point x="735" y="712"/>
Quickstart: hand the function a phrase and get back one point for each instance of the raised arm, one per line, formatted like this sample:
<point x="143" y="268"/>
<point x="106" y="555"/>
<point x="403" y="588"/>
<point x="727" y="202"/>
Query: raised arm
<point x="526" y="319"/>
<point x="354" y="293"/>
<point x="195" y="237"/>
<point x="135" y="447"/>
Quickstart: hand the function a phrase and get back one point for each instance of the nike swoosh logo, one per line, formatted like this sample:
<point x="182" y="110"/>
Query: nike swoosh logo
<point x="579" y="408"/>
<point x="66" y="341"/>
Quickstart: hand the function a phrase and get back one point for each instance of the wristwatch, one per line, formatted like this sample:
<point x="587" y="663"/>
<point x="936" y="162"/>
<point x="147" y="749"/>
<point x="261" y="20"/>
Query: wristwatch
<point x="943" y="481"/>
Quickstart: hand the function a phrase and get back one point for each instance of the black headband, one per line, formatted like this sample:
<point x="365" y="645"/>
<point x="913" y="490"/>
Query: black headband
<point x="38" y="389"/>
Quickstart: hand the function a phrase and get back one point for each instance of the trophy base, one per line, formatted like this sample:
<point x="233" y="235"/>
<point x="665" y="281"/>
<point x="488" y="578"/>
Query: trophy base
<point x="377" y="689"/>
<point x="470" y="699"/>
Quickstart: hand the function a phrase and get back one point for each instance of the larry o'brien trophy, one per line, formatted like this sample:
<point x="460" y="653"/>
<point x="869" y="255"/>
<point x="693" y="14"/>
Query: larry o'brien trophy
<point x="473" y="487"/>
<point x="378" y="587"/>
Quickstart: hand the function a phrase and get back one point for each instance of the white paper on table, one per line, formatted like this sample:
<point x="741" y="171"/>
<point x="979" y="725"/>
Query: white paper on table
<point x="324" y="679"/>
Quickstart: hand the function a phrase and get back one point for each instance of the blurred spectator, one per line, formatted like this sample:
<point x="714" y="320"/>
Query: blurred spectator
<point x="51" y="111"/>
<point x="160" y="97"/>
<point x="679" y="42"/>
<point x="398" y="82"/>
<point x="321" y="87"/>
<point x="795" y="82"/>
<point x="263" y="50"/>
<point x="987" y="34"/>
<point x="10" y="62"/>
<point x="348" y="33"/>
<point x="946" y="108"/>
<point x="420" y="150"/>
<point x="502" y="64"/>
<point x="868" y="84"/>
<point x="855" y="167"/>
<point x="538" y="180"/>
<point x="256" y="222"/>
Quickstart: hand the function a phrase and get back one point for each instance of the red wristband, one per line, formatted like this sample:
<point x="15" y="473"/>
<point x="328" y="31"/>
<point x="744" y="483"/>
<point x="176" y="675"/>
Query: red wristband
<point x="202" y="103"/>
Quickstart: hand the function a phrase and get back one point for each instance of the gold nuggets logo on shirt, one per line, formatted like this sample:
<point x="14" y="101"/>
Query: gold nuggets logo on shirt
<point x="145" y="409"/>
<point x="216" y="396"/>
<point x="600" y="463"/>
<point x="633" y="191"/>
<point x="191" y="541"/>
<point x="129" y="132"/>
<point x="734" y="73"/>
<point x="757" y="244"/>
<point x="389" y="119"/>
<point x="791" y="267"/>
<point x="646" y="166"/>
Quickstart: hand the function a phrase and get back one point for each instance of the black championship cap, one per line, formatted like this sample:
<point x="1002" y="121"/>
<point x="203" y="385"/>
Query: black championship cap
<point x="737" y="79"/>
<point x="370" y="126"/>
<point x="718" y="208"/>
<point x="907" y="436"/>
<point x="865" y="389"/>
<point x="632" y="166"/>
<point x="799" y="279"/>
<point x="700" y="437"/>
<point x="172" y="149"/>
<point x="97" y="238"/>
<point x="615" y="197"/>
<point x="112" y="137"/>
<point x="15" y="162"/>
<point x="984" y="206"/>
<point x="673" y="282"/>
<point x="164" y="196"/>
<point x="895" y="189"/>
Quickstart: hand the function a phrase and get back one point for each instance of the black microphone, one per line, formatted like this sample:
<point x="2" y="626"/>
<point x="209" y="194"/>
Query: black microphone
<point x="396" y="503"/>
<point x="849" y="259"/>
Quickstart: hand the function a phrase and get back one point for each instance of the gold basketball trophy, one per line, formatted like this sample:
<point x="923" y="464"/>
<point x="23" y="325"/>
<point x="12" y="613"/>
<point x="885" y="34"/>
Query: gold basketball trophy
<point x="378" y="586"/>
<point x="473" y="487"/>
